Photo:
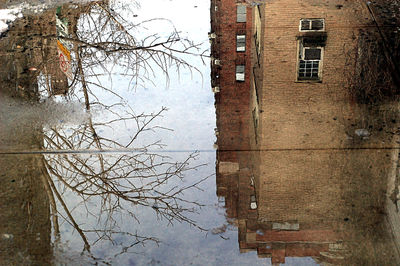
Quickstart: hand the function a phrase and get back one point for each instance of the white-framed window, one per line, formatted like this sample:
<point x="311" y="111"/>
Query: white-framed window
<point x="239" y="72"/>
<point x="312" y="24"/>
<point x="310" y="63"/>
<point x="240" y="42"/>
<point x="240" y="13"/>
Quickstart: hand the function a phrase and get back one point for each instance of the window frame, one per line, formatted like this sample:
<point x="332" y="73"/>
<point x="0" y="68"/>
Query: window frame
<point x="310" y="28"/>
<point x="301" y="57"/>
<point x="240" y="19"/>
<point x="237" y="74"/>
<point x="237" y="42"/>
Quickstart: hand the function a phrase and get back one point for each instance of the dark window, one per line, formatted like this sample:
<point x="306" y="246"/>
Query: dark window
<point x="305" y="24"/>
<point x="312" y="54"/>
<point x="317" y="24"/>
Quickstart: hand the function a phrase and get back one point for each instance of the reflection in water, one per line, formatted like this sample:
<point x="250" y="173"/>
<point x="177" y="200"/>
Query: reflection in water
<point x="25" y="214"/>
<point x="320" y="120"/>
<point x="307" y="125"/>
<point x="77" y="186"/>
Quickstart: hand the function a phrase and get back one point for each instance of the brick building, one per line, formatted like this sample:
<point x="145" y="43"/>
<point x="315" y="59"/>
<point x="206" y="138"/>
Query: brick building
<point x="230" y="37"/>
<point x="308" y="175"/>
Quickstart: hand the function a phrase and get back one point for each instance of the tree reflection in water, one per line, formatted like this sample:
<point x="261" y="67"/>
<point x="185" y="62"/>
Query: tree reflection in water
<point x="109" y="186"/>
<point x="105" y="184"/>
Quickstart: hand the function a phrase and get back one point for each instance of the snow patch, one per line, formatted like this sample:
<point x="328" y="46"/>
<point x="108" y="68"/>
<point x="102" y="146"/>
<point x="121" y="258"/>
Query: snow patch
<point x="7" y="16"/>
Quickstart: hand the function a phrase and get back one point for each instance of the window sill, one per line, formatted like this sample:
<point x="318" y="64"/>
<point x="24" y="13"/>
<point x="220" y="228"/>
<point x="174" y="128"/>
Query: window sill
<point x="316" y="31"/>
<point x="309" y="81"/>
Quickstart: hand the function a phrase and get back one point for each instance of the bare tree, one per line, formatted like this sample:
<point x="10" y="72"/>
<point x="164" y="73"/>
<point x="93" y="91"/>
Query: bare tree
<point x="375" y="55"/>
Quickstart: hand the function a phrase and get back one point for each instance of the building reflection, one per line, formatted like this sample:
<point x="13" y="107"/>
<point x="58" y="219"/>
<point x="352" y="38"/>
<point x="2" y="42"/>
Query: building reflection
<point x="29" y="53"/>
<point x="25" y="221"/>
<point x="306" y="130"/>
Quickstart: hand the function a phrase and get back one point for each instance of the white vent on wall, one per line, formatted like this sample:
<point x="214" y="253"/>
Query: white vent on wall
<point x="215" y="89"/>
<point x="253" y="202"/>
<point x="212" y="35"/>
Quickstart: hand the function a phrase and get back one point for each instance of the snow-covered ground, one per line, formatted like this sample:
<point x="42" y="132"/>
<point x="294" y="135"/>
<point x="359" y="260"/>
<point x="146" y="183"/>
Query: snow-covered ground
<point x="10" y="14"/>
<point x="7" y="16"/>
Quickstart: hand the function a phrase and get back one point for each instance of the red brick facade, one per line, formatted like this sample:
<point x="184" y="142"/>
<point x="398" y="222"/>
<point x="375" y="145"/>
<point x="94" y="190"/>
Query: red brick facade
<point x="232" y="98"/>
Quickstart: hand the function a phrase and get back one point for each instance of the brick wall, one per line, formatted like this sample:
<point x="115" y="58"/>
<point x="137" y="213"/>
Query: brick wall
<point x="302" y="114"/>
<point x="306" y="124"/>
<point x="232" y="103"/>
<point x="314" y="170"/>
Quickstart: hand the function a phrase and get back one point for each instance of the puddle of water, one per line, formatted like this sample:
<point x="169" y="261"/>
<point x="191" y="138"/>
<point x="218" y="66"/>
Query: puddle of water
<point x="117" y="155"/>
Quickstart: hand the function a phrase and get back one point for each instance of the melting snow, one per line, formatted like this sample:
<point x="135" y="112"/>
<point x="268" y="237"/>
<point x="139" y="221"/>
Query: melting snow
<point x="7" y="16"/>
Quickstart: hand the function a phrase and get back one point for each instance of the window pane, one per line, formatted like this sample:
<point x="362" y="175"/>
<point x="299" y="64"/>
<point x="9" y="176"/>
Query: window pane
<point x="240" y="77"/>
<point x="240" y="69"/>
<point x="317" y="24"/>
<point x="240" y="48"/>
<point x="241" y="13"/>
<point x="308" y="70"/>
<point x="305" y="24"/>
<point x="240" y="72"/>
<point x="312" y="54"/>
